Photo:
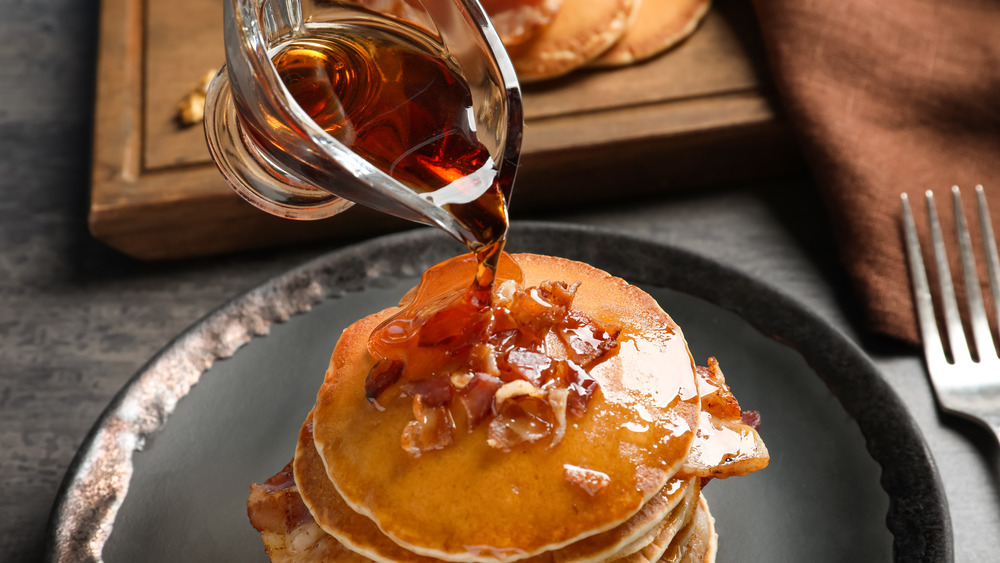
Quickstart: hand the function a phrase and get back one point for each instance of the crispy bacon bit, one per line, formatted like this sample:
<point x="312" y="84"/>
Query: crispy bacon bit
<point x="587" y="341"/>
<point x="433" y="391"/>
<point x="580" y="384"/>
<point x="460" y="379"/>
<point x="494" y="360"/>
<point x="539" y="308"/>
<point x="432" y="429"/>
<point x="589" y="480"/>
<point x="483" y="358"/>
<point x="715" y="394"/>
<point x="276" y="506"/>
<point x="525" y="419"/>
<point x="526" y="365"/>
<point x="559" y="293"/>
<point x="476" y="398"/>
<point x="751" y="419"/>
<point x="384" y="373"/>
<point x="503" y="340"/>
<point x="460" y="324"/>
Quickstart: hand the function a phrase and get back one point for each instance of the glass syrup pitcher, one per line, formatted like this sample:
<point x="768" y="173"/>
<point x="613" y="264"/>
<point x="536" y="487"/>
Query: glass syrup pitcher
<point x="410" y="107"/>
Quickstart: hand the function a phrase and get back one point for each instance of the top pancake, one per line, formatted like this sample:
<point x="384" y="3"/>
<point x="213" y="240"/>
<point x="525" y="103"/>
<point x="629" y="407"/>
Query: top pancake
<point x="471" y="502"/>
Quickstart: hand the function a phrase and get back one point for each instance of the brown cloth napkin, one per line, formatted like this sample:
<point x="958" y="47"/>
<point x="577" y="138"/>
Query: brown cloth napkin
<point x="890" y="96"/>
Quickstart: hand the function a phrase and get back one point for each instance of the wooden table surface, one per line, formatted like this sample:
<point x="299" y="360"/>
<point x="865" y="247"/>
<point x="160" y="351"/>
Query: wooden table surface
<point x="77" y="318"/>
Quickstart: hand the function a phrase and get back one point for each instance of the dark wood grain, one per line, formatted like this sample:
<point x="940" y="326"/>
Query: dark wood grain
<point x="155" y="193"/>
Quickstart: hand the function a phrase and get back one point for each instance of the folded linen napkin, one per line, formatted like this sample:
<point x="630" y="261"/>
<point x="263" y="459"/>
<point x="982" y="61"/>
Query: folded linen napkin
<point x="890" y="96"/>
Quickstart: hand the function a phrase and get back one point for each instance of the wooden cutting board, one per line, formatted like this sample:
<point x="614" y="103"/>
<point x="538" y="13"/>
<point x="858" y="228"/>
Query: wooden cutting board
<point x="696" y="116"/>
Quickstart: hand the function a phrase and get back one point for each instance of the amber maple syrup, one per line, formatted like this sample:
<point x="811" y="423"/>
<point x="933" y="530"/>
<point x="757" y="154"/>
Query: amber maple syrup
<point x="406" y="109"/>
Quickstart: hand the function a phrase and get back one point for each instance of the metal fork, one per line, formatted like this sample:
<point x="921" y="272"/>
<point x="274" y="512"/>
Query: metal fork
<point x="967" y="385"/>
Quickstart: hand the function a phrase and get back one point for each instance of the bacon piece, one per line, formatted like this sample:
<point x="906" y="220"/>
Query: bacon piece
<point x="456" y="325"/>
<point x="476" y="398"/>
<point x="288" y="530"/>
<point x="524" y="419"/>
<point x="587" y="341"/>
<point x="751" y="419"/>
<point x="483" y="358"/>
<point x="538" y="309"/>
<point x="432" y="429"/>
<point x="383" y="374"/>
<point x="433" y="391"/>
<point x="716" y="396"/>
<point x="276" y="505"/>
<point x="504" y="340"/>
<point x="580" y="384"/>
<point x="526" y="365"/>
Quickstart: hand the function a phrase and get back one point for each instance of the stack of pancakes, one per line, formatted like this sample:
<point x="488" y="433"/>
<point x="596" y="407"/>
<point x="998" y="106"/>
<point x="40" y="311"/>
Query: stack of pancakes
<point x="621" y="483"/>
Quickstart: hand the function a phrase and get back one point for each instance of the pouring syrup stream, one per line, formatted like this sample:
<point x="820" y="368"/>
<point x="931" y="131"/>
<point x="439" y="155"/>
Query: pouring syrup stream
<point x="408" y="111"/>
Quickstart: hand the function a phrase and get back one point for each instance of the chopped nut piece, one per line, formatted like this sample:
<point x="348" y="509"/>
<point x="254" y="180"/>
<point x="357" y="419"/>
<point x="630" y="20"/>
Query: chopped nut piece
<point x="191" y="108"/>
<point x="460" y="379"/>
<point x="516" y="388"/>
<point x="505" y="292"/>
<point x="557" y="400"/>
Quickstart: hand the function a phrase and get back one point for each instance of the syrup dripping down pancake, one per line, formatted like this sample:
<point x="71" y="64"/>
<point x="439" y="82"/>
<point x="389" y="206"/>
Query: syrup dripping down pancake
<point x="472" y="502"/>
<point x="659" y="25"/>
<point x="290" y="535"/>
<point x="361" y="535"/>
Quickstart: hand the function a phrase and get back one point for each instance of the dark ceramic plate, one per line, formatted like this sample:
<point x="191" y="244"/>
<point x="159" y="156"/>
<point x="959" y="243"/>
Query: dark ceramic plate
<point x="850" y="477"/>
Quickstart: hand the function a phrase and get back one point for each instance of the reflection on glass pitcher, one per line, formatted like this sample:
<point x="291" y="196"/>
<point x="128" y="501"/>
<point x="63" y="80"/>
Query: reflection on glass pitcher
<point x="409" y="107"/>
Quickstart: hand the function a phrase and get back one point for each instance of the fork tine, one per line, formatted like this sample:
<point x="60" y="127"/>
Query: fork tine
<point x="977" y="311"/>
<point x="933" y="347"/>
<point x="949" y="304"/>
<point x="990" y="248"/>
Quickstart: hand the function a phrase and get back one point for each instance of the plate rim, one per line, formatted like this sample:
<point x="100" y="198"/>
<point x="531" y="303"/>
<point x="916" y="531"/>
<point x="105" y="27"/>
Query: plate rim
<point x="918" y="516"/>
